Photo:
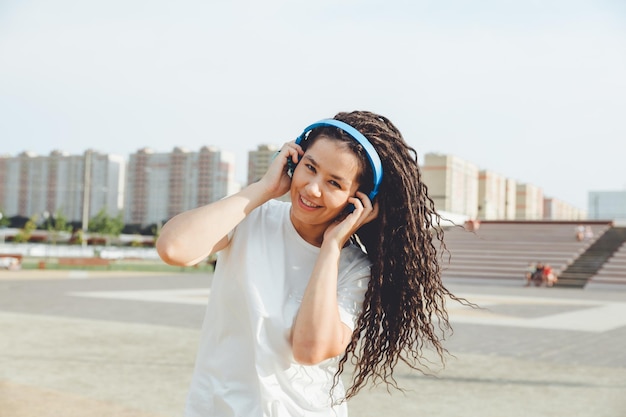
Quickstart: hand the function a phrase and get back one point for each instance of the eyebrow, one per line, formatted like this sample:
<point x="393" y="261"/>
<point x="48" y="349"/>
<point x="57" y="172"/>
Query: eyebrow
<point x="314" y="162"/>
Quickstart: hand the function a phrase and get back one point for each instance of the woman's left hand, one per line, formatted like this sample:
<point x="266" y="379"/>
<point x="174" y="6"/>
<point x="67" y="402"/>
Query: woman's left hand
<point x="345" y="226"/>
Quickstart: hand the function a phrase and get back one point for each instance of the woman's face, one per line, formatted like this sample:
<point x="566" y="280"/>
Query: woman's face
<point x="326" y="176"/>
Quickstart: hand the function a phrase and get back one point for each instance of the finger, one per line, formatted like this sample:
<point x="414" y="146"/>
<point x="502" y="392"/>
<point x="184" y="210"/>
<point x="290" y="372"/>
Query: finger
<point x="291" y="145"/>
<point x="370" y="211"/>
<point x="365" y="199"/>
<point x="291" y="151"/>
<point x="365" y="202"/>
<point x="374" y="213"/>
<point x="357" y="204"/>
<point x="285" y="153"/>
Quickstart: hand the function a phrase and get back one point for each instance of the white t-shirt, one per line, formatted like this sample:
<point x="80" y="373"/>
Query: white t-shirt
<point x="245" y="365"/>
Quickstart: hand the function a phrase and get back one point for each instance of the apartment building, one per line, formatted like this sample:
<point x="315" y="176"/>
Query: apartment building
<point x="492" y="196"/>
<point x="555" y="209"/>
<point x="510" y="199"/>
<point x="259" y="160"/>
<point x="529" y="202"/>
<point x="258" y="163"/>
<point x="452" y="183"/>
<point x="154" y="187"/>
<point x="605" y="205"/>
<point x="457" y="186"/>
<point x="161" y="185"/>
<point x="77" y="186"/>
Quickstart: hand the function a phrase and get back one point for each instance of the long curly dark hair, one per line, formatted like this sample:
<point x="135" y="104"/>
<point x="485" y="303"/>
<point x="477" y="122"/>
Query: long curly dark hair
<point x="404" y="307"/>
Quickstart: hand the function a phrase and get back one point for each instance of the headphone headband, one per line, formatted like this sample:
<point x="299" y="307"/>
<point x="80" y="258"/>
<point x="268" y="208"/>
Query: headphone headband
<point x="372" y="155"/>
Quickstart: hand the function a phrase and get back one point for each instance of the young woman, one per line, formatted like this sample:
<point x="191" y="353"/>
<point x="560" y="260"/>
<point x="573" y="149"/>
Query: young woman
<point x="348" y="269"/>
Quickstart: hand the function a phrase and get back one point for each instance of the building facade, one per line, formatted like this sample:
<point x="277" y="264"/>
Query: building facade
<point x="607" y="205"/>
<point x="76" y="186"/>
<point x="161" y="185"/>
<point x="555" y="209"/>
<point x="492" y="196"/>
<point x="457" y="186"/>
<point x="452" y="183"/>
<point x="259" y="161"/>
<point x="529" y="202"/>
<point x="153" y="187"/>
<point x="510" y="202"/>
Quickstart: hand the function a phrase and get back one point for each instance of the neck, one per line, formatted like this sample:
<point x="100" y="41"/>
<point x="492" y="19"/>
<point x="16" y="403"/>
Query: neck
<point x="313" y="234"/>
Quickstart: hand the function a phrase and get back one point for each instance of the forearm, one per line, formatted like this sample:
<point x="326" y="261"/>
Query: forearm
<point x="318" y="332"/>
<point x="189" y="237"/>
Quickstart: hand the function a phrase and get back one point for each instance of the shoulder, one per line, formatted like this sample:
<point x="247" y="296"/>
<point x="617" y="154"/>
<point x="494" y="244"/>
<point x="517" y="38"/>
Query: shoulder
<point x="276" y="205"/>
<point x="273" y="209"/>
<point x="269" y="214"/>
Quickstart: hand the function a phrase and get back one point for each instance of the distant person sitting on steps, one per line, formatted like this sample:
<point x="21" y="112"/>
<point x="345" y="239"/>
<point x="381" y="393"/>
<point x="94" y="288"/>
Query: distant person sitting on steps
<point x="538" y="277"/>
<point x="580" y="232"/>
<point x="530" y="270"/>
<point x="549" y="277"/>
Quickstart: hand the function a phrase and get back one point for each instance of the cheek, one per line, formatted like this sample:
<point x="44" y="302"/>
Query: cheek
<point x="338" y="200"/>
<point x="296" y="182"/>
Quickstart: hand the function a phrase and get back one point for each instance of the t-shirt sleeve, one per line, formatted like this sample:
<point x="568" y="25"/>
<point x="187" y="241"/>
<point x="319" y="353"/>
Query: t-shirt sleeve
<point x="351" y="288"/>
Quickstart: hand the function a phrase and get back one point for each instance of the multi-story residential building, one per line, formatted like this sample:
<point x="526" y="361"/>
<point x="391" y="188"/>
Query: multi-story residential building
<point x="555" y="209"/>
<point x="77" y="186"/>
<point x="529" y="204"/>
<point x="607" y="205"/>
<point x="259" y="160"/>
<point x="157" y="186"/>
<point x="452" y="184"/>
<point x="258" y="163"/>
<point x="457" y="186"/>
<point x="510" y="202"/>
<point x="492" y="196"/>
<point x="161" y="185"/>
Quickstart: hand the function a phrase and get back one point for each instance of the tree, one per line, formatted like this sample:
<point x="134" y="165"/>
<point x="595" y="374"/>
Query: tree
<point x="26" y="232"/>
<point x="106" y="226"/>
<point x="4" y="220"/>
<point x="56" y="225"/>
<point x="78" y="237"/>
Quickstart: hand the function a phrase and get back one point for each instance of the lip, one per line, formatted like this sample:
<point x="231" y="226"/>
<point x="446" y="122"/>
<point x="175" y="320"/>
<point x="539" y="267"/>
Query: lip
<point x="301" y="203"/>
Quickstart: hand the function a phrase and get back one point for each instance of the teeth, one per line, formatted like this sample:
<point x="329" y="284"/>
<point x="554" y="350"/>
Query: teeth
<point x="308" y="203"/>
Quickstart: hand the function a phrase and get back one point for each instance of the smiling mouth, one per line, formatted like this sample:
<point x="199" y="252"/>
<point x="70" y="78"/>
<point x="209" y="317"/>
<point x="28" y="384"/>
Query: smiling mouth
<point x="308" y="203"/>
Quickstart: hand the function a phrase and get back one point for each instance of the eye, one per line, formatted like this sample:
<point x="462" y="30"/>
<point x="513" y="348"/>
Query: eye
<point x="335" y="184"/>
<point x="310" y="167"/>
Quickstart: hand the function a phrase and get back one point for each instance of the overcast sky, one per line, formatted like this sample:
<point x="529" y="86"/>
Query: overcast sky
<point x="534" y="90"/>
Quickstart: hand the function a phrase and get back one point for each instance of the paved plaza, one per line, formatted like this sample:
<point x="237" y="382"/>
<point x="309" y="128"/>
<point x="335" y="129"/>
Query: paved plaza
<point x="86" y="344"/>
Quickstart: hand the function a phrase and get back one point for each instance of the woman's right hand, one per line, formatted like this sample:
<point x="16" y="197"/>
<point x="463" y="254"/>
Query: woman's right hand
<point x="276" y="180"/>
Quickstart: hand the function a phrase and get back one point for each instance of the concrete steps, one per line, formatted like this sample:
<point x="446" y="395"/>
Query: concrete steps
<point x="588" y="264"/>
<point x="612" y="275"/>
<point x="502" y="251"/>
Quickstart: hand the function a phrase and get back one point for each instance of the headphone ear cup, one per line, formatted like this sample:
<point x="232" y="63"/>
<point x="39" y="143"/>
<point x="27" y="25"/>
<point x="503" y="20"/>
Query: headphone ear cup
<point x="291" y="167"/>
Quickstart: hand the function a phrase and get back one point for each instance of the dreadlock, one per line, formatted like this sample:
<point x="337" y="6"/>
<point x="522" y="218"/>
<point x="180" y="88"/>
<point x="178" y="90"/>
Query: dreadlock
<point x="404" y="306"/>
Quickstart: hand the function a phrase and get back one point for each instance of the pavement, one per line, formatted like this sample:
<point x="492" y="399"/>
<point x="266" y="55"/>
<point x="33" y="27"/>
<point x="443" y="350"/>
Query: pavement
<point x="117" y="344"/>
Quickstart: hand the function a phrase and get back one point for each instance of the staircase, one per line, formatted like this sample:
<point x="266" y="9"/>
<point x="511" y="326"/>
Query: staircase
<point x="499" y="252"/>
<point x="577" y="274"/>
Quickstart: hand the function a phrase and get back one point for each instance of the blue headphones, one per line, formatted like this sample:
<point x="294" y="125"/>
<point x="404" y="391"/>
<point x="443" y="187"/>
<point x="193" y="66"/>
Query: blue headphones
<point x="372" y="155"/>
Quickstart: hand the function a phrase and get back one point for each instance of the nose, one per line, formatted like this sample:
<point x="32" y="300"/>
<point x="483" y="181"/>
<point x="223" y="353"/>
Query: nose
<point x="313" y="189"/>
